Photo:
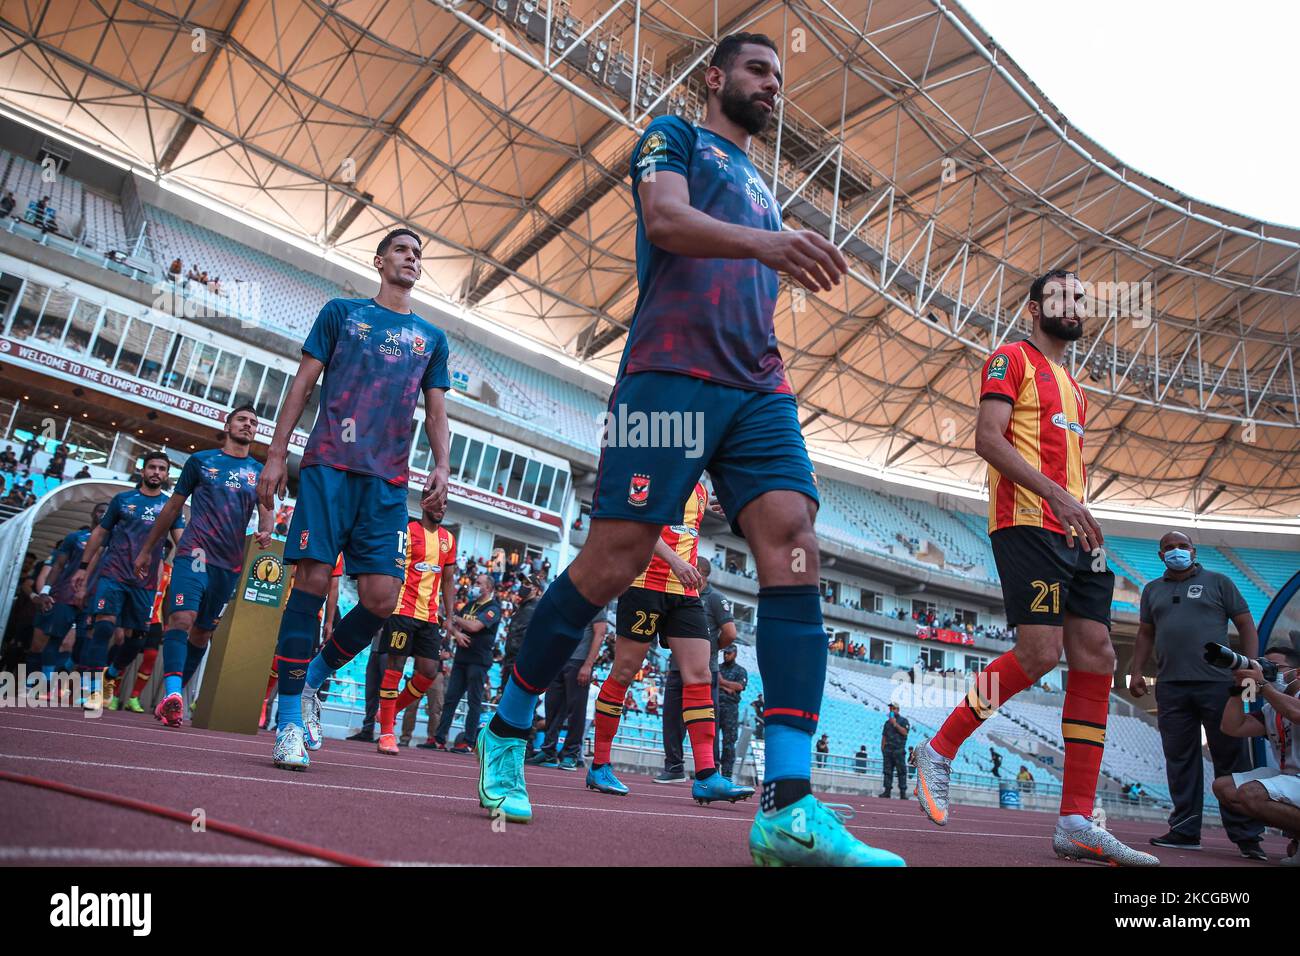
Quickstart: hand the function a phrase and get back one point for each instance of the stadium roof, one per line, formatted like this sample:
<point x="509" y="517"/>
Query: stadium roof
<point x="502" y="129"/>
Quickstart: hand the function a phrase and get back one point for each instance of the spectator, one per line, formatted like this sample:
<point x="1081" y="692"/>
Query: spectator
<point x="58" y="461"/>
<point x="9" y="460"/>
<point x="7" y="204"/>
<point x="174" y="270"/>
<point x="997" y="762"/>
<point x="1025" y="779"/>
<point x="823" y="749"/>
<point x="860" y="760"/>
<point x="1179" y="613"/>
<point x="84" y="472"/>
<point x="759" y="722"/>
<point x="30" y="448"/>
<point x="529" y="592"/>
<point x="478" y="625"/>
<point x="652" y="699"/>
<point x="732" y="680"/>
<point x="893" y="747"/>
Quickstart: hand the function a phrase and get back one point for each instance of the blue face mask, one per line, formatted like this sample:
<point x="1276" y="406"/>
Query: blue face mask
<point x="475" y="593"/>
<point x="1178" y="559"/>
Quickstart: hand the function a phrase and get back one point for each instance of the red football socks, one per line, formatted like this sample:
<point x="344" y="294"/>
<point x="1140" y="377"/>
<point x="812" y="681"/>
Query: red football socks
<point x="609" y="711"/>
<point x="993" y="686"/>
<point x="1083" y="725"/>
<point x="144" y="671"/>
<point x="388" y="700"/>
<point x="701" y="725"/>
<point x="414" y="690"/>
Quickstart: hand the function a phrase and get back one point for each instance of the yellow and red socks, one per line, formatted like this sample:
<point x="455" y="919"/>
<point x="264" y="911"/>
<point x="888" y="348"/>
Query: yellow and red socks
<point x="701" y="725"/>
<point x="609" y="711"/>
<point x="993" y="686"/>
<point x="416" y="687"/>
<point x="145" y="671"/>
<point x="1083" y="725"/>
<point x="388" y="700"/>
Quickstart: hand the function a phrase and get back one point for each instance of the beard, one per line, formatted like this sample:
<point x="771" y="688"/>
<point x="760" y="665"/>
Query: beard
<point x="744" y="111"/>
<point x="153" y="481"/>
<point x="239" y="439"/>
<point x="1056" y="327"/>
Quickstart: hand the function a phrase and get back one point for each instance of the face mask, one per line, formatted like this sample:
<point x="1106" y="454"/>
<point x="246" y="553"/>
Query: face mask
<point x="1178" y="559"/>
<point x="475" y="593"/>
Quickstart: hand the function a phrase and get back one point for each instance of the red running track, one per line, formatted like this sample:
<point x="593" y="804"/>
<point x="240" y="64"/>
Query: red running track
<point x="420" y="808"/>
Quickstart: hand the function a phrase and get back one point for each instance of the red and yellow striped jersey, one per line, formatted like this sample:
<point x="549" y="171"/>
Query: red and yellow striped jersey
<point x="427" y="554"/>
<point x="1048" y="415"/>
<point x="164" y="582"/>
<point x="684" y="539"/>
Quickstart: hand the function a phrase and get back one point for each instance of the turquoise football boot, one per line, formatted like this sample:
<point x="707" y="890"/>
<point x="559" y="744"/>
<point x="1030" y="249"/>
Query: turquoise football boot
<point x="605" y="781"/>
<point x="718" y="787"/>
<point x="812" y="833"/>
<point x="501" y="788"/>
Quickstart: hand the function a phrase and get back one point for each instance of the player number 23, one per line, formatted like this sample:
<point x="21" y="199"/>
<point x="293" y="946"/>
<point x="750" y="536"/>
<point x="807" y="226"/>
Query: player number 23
<point x="646" y="622"/>
<point x="1039" y="604"/>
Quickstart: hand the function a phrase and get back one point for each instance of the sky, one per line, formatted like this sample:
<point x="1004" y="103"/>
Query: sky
<point x="1201" y="96"/>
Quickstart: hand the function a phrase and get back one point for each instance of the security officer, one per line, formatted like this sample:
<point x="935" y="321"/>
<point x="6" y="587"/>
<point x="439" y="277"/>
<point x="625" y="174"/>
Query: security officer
<point x="893" y="748"/>
<point x="478" y="622"/>
<point x="732" y="679"/>
<point x="1180" y="612"/>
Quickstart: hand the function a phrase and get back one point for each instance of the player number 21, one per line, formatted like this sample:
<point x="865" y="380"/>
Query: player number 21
<point x="1039" y="605"/>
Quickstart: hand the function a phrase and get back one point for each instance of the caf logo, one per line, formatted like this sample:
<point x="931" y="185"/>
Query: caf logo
<point x="268" y="569"/>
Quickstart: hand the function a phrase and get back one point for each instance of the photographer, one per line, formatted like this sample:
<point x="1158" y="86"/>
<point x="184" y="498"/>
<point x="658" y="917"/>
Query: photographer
<point x="1180" y="613"/>
<point x="1267" y="794"/>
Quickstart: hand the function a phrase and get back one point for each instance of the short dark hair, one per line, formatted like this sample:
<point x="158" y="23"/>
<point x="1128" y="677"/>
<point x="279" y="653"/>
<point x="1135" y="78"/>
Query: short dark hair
<point x="729" y="48"/>
<point x="1290" y="653"/>
<point x="1036" y="290"/>
<point x="246" y="407"/>
<point x="155" y="456"/>
<point x="388" y="239"/>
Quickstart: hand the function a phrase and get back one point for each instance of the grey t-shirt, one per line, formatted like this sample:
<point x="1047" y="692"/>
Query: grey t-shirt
<point x="589" y="634"/>
<point x="717" y="612"/>
<point x="1186" y="614"/>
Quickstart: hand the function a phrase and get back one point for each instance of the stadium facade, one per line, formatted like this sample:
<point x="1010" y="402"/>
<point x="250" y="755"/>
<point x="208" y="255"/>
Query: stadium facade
<point x="502" y="134"/>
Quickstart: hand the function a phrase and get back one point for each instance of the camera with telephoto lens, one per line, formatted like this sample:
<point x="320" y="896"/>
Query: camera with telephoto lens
<point x="1228" y="659"/>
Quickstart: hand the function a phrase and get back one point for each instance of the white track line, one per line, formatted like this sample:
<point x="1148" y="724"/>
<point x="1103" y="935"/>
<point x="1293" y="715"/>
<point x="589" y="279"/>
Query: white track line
<point x="297" y="781"/>
<point x="112" y="857"/>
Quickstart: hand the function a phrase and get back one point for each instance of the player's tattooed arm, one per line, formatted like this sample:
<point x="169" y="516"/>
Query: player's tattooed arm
<point x="274" y="481"/>
<point x="439" y="435"/>
<point x="991" y="444"/>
